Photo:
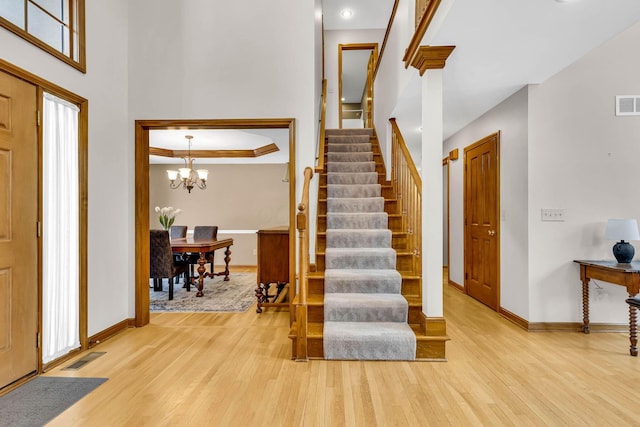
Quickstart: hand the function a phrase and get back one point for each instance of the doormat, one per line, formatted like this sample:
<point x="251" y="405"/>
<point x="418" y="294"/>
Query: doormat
<point x="42" y="399"/>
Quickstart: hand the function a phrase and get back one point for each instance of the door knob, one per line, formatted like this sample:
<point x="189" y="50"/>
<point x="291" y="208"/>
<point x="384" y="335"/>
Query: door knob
<point x="491" y="232"/>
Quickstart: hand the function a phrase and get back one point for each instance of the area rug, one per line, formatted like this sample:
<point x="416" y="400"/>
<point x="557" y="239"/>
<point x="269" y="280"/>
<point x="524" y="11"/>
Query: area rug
<point x="236" y="295"/>
<point x="42" y="399"/>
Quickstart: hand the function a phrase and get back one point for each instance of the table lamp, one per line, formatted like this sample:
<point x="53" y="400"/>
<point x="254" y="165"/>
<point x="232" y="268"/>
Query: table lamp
<point x="622" y="229"/>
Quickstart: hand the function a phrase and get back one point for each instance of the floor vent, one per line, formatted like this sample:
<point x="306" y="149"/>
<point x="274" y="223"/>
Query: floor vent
<point x="84" y="360"/>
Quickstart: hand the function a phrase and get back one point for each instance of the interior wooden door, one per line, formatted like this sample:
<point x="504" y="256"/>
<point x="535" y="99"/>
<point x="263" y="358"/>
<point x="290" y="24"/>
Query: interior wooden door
<point x="18" y="239"/>
<point x="482" y="234"/>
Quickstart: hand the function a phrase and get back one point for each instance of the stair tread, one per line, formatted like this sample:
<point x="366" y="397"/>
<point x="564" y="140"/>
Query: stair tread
<point x="315" y="330"/>
<point x="321" y="275"/>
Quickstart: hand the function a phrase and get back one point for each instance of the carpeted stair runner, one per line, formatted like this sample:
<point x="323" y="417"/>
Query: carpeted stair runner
<point x="365" y="315"/>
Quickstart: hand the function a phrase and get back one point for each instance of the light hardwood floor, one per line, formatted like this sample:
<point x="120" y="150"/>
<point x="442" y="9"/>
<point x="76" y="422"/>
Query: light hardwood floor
<point x="234" y="370"/>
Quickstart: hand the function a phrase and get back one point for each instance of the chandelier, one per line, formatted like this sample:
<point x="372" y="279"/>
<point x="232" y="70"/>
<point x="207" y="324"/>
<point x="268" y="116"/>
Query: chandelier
<point x="188" y="177"/>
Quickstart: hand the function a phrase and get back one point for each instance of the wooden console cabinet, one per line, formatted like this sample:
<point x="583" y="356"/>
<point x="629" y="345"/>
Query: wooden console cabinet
<point x="273" y="267"/>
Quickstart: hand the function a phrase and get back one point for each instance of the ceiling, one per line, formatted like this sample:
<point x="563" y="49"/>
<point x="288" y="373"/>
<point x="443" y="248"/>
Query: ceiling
<point x="501" y="46"/>
<point x="367" y="14"/>
<point x="225" y="139"/>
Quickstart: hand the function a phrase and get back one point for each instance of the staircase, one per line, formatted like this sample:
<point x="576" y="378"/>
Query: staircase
<point x="364" y="300"/>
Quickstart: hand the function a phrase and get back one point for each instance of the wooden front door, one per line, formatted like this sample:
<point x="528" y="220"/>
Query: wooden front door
<point x="18" y="239"/>
<point x="482" y="233"/>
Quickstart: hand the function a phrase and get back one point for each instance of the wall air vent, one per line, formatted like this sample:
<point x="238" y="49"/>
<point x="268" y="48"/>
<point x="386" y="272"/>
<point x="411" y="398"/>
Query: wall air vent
<point x="628" y="105"/>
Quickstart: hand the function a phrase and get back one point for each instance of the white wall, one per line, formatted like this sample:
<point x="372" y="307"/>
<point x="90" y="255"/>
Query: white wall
<point x="584" y="159"/>
<point x="561" y="147"/>
<point x="162" y="59"/>
<point x="510" y="118"/>
<point x="110" y="244"/>
<point x="392" y="78"/>
<point x="332" y="38"/>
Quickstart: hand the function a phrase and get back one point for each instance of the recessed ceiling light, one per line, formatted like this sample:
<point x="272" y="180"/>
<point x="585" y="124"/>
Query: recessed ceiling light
<point x="346" y="13"/>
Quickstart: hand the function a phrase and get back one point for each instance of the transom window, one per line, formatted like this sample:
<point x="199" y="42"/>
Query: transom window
<point x="56" y="26"/>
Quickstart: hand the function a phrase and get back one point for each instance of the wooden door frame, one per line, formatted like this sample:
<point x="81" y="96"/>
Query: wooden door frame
<point x="476" y="144"/>
<point x="353" y="46"/>
<point x="43" y="85"/>
<point x="142" y="128"/>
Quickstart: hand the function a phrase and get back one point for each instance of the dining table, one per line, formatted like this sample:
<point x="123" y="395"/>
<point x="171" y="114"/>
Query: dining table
<point x="202" y="246"/>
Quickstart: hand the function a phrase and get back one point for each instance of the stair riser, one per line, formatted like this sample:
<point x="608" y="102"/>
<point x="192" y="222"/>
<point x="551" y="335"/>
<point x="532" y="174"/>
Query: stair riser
<point x="375" y="157"/>
<point x="336" y="147"/>
<point x="341" y="222"/>
<point x="376" y="341"/>
<point x="385" y="191"/>
<point x="349" y="157"/>
<point x="380" y="180"/>
<point x="348" y="139"/>
<point x="394" y="222"/>
<point x="404" y="263"/>
<point x="410" y="287"/>
<point x="398" y="242"/>
<point x="425" y="349"/>
<point x="378" y="314"/>
<point x="360" y="261"/>
<point x="338" y="132"/>
<point x="355" y="205"/>
<point x="360" y="167"/>
<point x="316" y="314"/>
<point x="352" y="167"/>
<point x="355" y="240"/>
<point x="353" y="191"/>
<point x="390" y="207"/>
<point x="350" y="178"/>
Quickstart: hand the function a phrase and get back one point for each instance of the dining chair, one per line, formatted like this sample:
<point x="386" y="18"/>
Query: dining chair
<point x="162" y="263"/>
<point x="202" y="232"/>
<point x="178" y="232"/>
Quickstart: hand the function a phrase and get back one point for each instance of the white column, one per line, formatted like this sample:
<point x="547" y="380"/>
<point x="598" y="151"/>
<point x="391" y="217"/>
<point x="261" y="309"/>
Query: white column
<point x="432" y="131"/>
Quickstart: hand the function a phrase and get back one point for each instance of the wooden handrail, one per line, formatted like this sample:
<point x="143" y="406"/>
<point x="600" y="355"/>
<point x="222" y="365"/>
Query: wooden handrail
<point x="430" y="9"/>
<point x="386" y="37"/>
<point x="407" y="185"/>
<point x="302" y="223"/>
<point x="323" y="113"/>
<point x="395" y="130"/>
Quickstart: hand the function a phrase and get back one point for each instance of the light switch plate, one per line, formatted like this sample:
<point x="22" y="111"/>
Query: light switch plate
<point x="552" y="214"/>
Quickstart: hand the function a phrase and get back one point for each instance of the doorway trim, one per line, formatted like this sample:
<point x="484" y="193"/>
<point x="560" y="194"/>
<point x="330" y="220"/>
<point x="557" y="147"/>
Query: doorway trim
<point x="353" y="46"/>
<point x="142" y="128"/>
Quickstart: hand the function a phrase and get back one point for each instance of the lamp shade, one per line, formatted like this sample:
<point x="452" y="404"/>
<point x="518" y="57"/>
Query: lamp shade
<point x="622" y="229"/>
<point x="185" y="173"/>
<point x="202" y="174"/>
<point x="172" y="174"/>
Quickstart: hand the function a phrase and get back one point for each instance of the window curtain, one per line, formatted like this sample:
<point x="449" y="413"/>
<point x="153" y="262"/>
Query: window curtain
<point x="60" y="229"/>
